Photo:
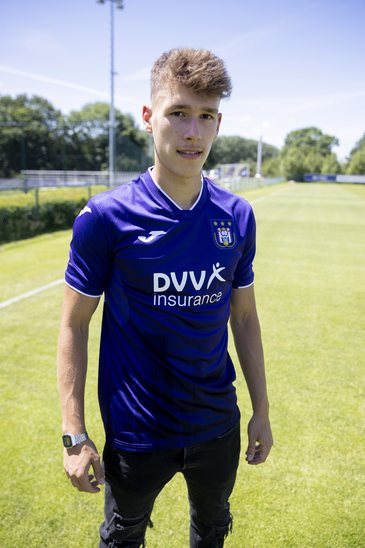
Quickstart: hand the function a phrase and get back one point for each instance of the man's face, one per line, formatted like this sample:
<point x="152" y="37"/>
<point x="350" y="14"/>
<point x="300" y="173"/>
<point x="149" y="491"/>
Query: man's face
<point x="184" y="126"/>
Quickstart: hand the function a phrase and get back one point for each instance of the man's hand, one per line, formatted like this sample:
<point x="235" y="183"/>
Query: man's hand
<point x="259" y="439"/>
<point x="77" y="462"/>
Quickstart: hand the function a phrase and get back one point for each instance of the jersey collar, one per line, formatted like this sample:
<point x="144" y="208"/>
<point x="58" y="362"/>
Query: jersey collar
<point x="161" y="195"/>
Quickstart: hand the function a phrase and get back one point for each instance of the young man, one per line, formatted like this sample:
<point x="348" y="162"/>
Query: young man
<point x="172" y="252"/>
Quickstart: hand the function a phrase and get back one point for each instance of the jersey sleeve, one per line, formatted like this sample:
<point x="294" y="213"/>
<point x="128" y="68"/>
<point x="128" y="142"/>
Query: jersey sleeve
<point x="89" y="260"/>
<point x="244" y="275"/>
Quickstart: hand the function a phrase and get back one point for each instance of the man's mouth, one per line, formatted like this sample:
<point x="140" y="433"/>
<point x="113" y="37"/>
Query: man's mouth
<point x="189" y="154"/>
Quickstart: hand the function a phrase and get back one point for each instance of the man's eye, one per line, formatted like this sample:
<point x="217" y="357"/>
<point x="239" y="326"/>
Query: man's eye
<point x="207" y="117"/>
<point x="178" y="113"/>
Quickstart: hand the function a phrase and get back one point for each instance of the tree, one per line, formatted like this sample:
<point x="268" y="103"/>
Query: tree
<point x="235" y="149"/>
<point x="89" y="129"/>
<point x="271" y="167"/>
<point x="87" y="137"/>
<point x="132" y="145"/>
<point x="356" y="165"/>
<point x="360" y="145"/>
<point x="331" y="164"/>
<point x="293" y="164"/>
<point x="28" y="133"/>
<point x="35" y="135"/>
<point x="312" y="138"/>
<point x="305" y="151"/>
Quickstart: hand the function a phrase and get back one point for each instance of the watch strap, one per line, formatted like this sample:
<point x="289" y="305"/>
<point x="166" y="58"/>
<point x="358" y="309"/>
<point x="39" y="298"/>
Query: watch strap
<point x="70" y="440"/>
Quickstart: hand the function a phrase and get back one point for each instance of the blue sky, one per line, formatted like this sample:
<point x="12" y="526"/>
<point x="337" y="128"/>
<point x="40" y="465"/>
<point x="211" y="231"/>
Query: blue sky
<point x="294" y="63"/>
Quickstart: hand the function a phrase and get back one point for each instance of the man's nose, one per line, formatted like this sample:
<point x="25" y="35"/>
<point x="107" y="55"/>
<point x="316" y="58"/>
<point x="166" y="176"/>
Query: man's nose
<point x="192" y="129"/>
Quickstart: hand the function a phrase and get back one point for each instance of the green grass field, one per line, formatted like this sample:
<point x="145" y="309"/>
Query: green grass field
<point x="310" y="273"/>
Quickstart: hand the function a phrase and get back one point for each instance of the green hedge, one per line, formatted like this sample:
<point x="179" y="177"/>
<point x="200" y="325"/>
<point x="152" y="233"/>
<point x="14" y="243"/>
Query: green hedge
<point x="17" y="223"/>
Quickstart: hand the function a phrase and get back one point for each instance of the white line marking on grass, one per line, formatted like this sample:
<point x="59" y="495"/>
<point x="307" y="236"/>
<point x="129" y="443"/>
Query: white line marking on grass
<point x="268" y="195"/>
<point x="4" y="304"/>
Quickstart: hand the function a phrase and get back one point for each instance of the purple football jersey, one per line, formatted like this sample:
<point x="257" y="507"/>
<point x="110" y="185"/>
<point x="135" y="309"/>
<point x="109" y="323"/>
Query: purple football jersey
<point x="165" y="375"/>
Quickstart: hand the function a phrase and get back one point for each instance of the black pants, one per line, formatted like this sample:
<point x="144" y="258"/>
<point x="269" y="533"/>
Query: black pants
<point x="133" y="481"/>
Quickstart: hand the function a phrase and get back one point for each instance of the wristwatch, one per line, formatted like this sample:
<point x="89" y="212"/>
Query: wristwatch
<point x="70" y="440"/>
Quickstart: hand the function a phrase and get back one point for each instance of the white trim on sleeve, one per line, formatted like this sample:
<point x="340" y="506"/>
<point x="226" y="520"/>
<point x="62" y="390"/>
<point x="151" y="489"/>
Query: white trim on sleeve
<point x="243" y="286"/>
<point x="81" y="292"/>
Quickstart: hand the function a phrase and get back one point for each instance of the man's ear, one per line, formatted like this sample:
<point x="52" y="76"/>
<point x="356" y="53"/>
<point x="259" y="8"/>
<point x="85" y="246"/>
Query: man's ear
<point x="146" y="117"/>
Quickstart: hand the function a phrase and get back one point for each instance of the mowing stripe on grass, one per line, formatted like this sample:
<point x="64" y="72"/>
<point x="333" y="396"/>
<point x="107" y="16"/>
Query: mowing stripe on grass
<point x="37" y="290"/>
<point x="255" y="200"/>
<point x="4" y="304"/>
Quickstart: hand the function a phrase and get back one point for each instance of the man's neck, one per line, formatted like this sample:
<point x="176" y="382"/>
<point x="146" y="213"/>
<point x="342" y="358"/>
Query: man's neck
<point x="183" y="191"/>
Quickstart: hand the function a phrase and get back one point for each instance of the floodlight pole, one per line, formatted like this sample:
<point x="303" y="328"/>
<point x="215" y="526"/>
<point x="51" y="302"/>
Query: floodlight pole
<point x="119" y="4"/>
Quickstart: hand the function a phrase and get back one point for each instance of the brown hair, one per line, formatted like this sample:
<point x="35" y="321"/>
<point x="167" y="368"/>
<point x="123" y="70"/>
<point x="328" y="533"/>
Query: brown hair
<point x="198" y="69"/>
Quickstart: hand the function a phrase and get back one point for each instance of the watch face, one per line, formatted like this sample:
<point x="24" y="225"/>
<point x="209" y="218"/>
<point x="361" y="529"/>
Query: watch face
<point x="67" y="441"/>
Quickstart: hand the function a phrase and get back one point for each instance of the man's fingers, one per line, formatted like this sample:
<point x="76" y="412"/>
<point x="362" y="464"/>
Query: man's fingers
<point x="258" y="454"/>
<point x="250" y="453"/>
<point x="265" y="452"/>
<point x="259" y="439"/>
<point x="252" y="448"/>
<point x="93" y="481"/>
<point x="77" y="463"/>
<point x="98" y="471"/>
<point x="84" y="482"/>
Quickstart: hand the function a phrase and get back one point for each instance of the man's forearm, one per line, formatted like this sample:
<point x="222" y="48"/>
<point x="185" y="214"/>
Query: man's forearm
<point x="71" y="370"/>
<point x="247" y="337"/>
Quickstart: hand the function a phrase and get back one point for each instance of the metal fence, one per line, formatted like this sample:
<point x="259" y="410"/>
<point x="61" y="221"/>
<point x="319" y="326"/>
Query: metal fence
<point x="39" y="179"/>
<point x="56" y="179"/>
<point x="244" y="183"/>
<point x="45" y="178"/>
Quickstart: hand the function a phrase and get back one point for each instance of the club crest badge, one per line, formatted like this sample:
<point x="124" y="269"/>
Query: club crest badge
<point x="223" y="233"/>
